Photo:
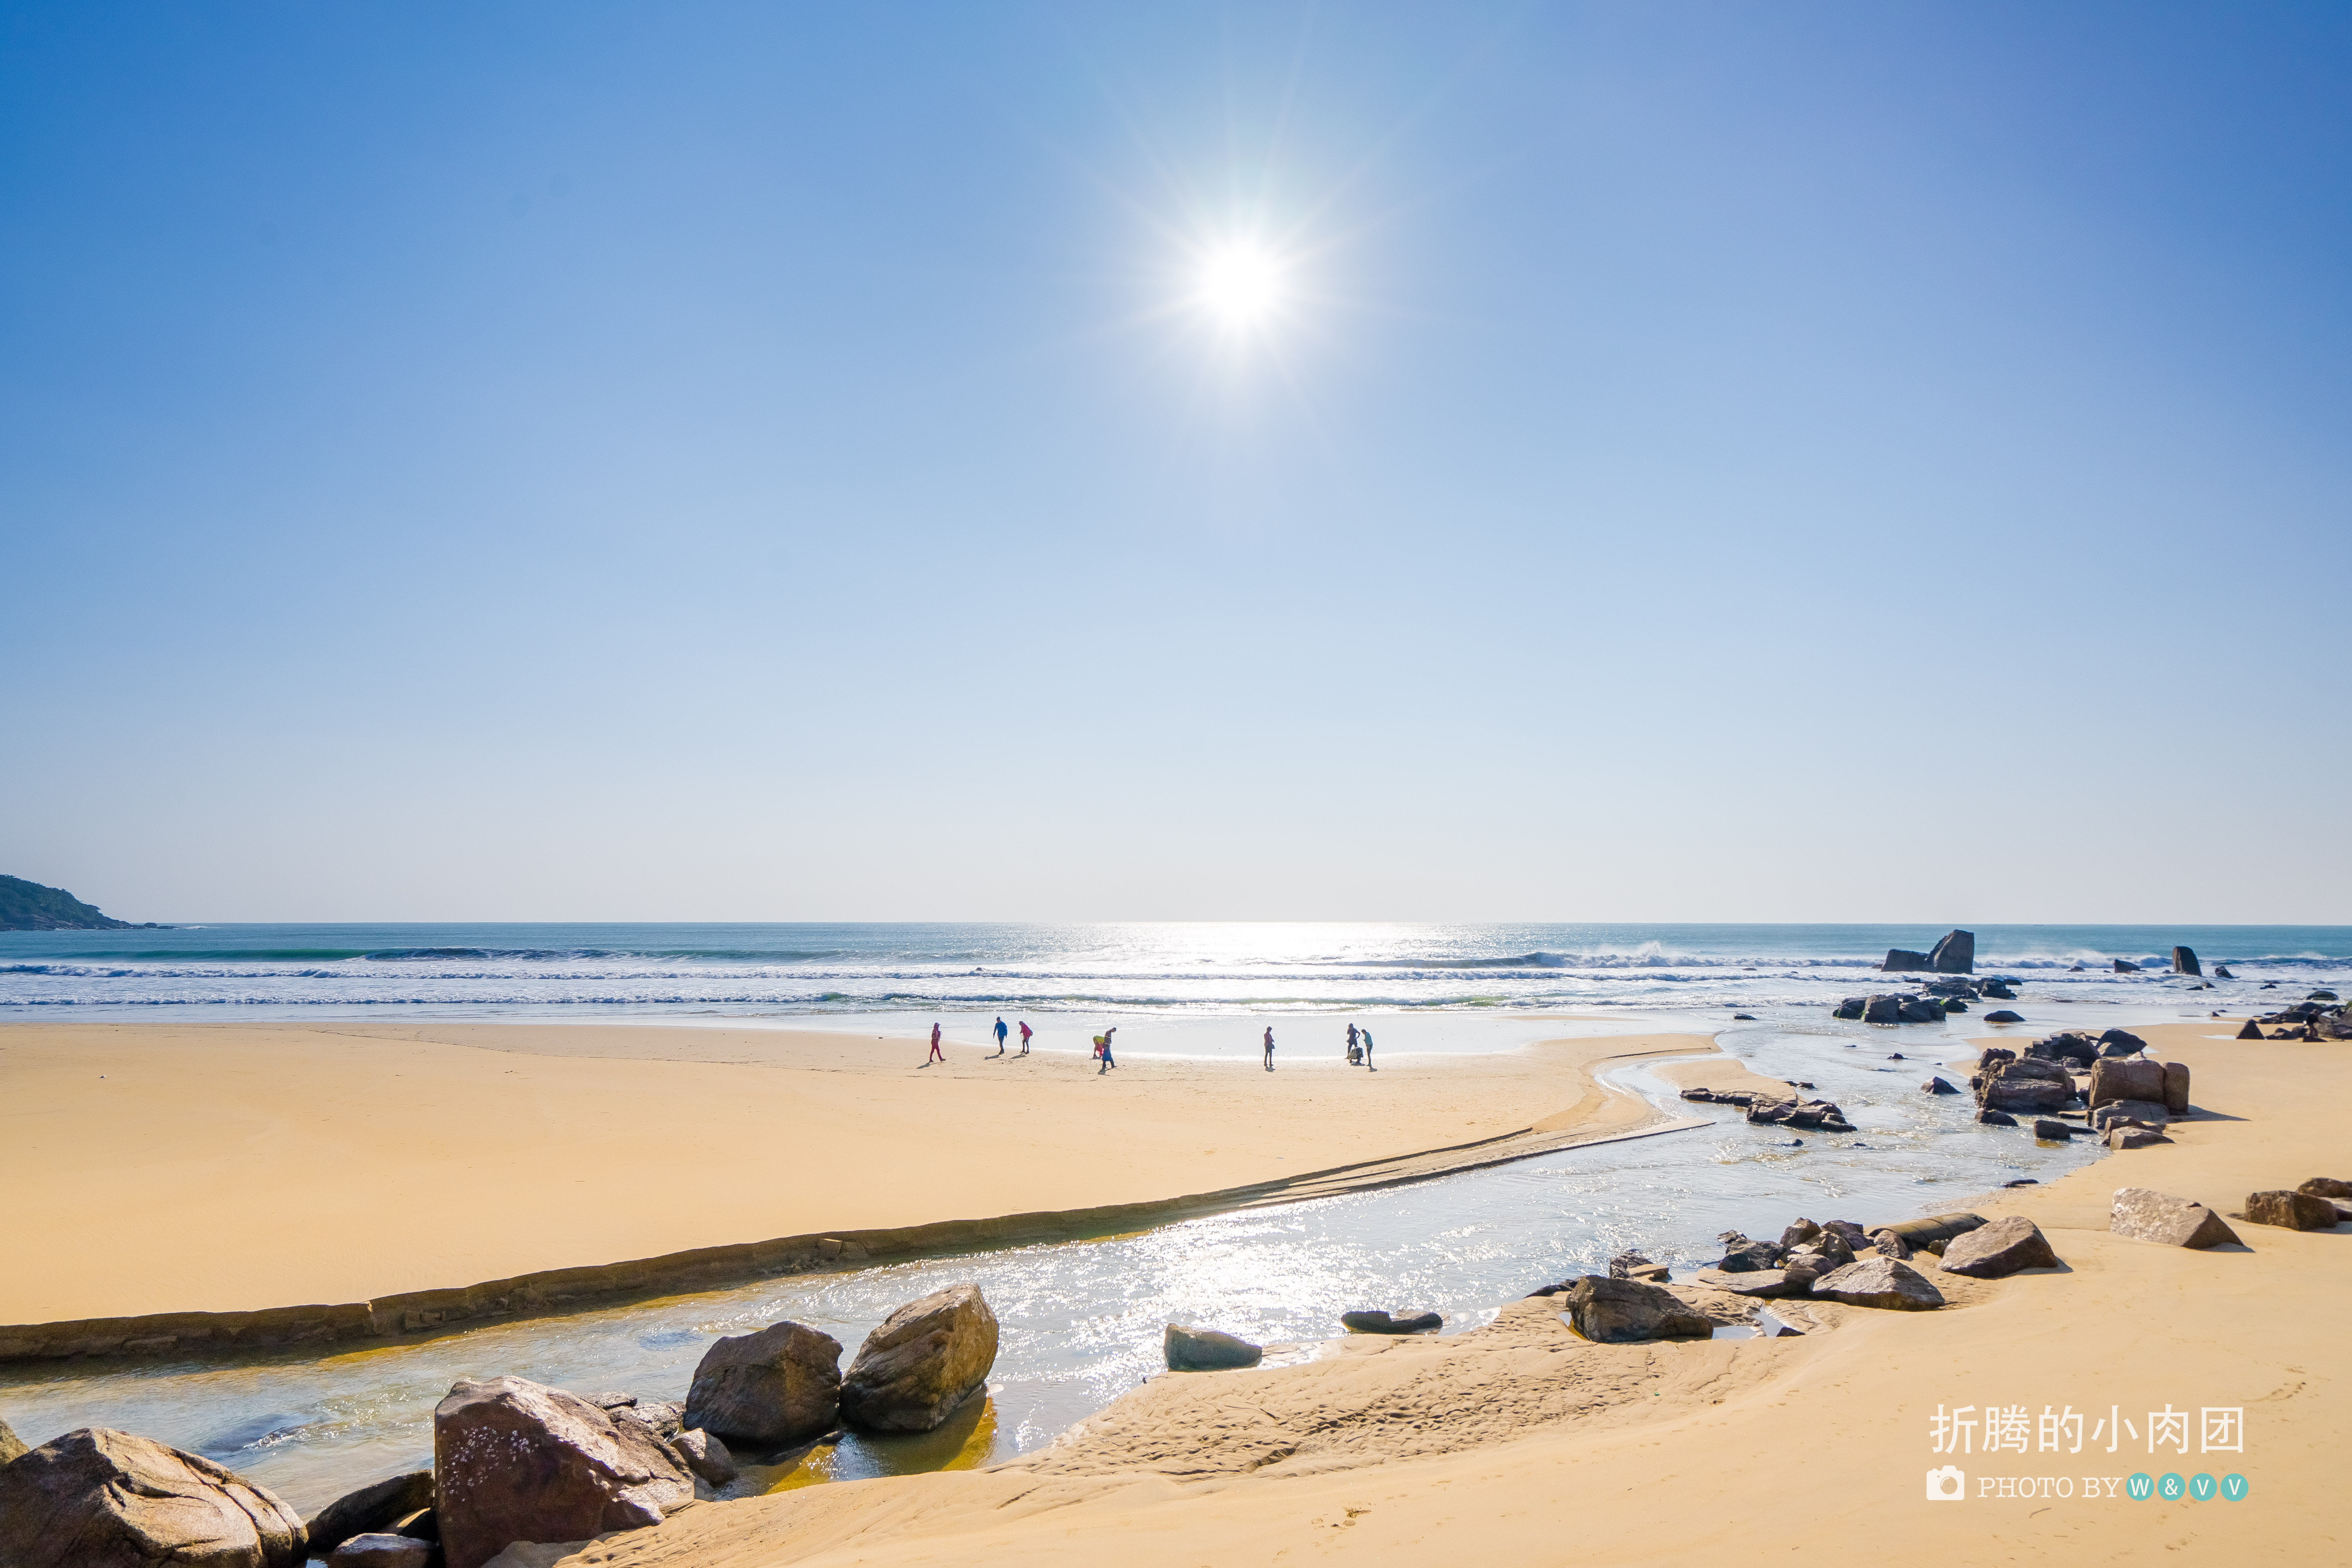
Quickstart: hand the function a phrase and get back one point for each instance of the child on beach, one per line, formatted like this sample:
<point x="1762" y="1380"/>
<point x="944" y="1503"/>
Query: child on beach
<point x="935" y="1056"/>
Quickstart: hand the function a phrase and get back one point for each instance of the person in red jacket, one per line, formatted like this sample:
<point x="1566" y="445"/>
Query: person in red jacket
<point x="1025" y="1036"/>
<point x="936" y="1056"/>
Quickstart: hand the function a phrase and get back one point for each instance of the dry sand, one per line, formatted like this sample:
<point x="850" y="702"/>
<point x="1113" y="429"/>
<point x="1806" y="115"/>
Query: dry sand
<point x="164" y="1168"/>
<point x="1522" y="1443"/>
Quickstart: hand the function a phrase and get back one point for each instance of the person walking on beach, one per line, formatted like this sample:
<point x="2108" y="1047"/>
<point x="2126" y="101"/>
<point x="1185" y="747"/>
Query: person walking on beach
<point x="1368" y="1052"/>
<point x="1352" y="1042"/>
<point x="1103" y="1040"/>
<point x="935" y="1056"/>
<point x="1269" y="1048"/>
<point x="1001" y="1032"/>
<point x="1025" y="1036"/>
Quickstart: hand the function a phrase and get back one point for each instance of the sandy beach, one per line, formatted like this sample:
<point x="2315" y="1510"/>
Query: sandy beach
<point x="248" y="1166"/>
<point x="1519" y="1442"/>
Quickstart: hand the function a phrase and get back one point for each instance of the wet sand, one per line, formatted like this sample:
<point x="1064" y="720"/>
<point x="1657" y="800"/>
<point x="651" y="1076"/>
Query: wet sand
<point x="1520" y="1443"/>
<point x="221" y="1168"/>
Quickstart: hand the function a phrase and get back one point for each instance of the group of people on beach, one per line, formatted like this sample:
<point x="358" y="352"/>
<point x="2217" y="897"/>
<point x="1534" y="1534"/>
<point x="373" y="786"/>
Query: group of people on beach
<point x="1359" y="1046"/>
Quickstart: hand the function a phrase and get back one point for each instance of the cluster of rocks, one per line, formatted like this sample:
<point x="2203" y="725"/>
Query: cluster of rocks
<point x="2321" y="1203"/>
<point x="513" y="1460"/>
<point x="2146" y="1214"/>
<point x="1187" y="1349"/>
<point x="2319" y="1016"/>
<point x="2129" y="1099"/>
<point x="1955" y="954"/>
<point x="1777" y="1110"/>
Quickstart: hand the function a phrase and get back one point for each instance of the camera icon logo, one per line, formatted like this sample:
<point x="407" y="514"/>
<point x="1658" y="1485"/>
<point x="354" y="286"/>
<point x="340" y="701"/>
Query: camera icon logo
<point x="1946" y="1484"/>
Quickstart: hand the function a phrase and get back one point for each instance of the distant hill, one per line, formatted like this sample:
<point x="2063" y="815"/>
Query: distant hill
<point x="28" y="906"/>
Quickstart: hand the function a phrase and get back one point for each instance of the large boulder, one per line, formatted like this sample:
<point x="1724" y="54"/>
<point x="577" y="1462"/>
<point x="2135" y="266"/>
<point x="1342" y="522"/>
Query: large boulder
<point x="2125" y="966"/>
<point x="2184" y="962"/>
<point x="2145" y="1215"/>
<point x="2127" y="1136"/>
<point x="1956" y="954"/>
<point x="1378" y="1321"/>
<point x="927" y="1358"/>
<point x="1992" y="1117"/>
<point x="2175" y="1088"/>
<point x="2327" y="1187"/>
<point x="1762" y="1284"/>
<point x="2294" y="1211"/>
<point x="1938" y="1086"/>
<point x="2002" y="1015"/>
<point x="372" y="1509"/>
<point x="1878" y="1280"/>
<point x="1903" y="960"/>
<point x="767" y="1389"/>
<point x="1626" y="1311"/>
<point x="2126" y="1078"/>
<point x="2017" y="1086"/>
<point x="1206" y="1350"/>
<point x="1890" y="1243"/>
<point x="1999" y="1248"/>
<point x="2120" y="1043"/>
<point x="2139" y="1112"/>
<point x="101" y="1498"/>
<point x="515" y="1460"/>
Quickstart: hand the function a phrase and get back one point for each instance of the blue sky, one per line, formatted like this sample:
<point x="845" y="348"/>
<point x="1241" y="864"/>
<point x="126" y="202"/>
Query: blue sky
<point x="1827" y="462"/>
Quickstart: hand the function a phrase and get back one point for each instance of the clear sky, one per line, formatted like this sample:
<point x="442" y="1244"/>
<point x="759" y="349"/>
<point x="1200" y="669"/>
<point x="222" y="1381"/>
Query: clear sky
<point x="696" y="461"/>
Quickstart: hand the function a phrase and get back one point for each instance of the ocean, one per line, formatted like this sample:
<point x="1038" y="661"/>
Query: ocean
<point x="804" y="973"/>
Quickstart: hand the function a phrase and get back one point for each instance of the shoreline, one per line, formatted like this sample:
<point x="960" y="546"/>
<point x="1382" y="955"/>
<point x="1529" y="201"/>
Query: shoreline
<point x="1574" y="1110"/>
<point x="1495" y="1439"/>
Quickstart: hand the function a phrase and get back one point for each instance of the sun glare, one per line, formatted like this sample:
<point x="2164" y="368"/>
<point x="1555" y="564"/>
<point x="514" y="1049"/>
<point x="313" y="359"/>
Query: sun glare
<point x="1241" y="285"/>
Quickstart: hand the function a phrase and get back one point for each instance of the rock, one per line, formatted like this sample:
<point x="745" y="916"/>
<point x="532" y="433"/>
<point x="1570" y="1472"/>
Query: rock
<point x="2322" y="996"/>
<point x="1956" y="954"/>
<point x="1206" y="1350"/>
<point x="1996" y="991"/>
<point x="927" y="1358"/>
<point x="2128" y="1135"/>
<point x="706" y="1456"/>
<point x="2221" y="971"/>
<point x="515" y="1460"/>
<point x="2251" y="1031"/>
<point x="2145" y="1215"/>
<point x="2067" y="1045"/>
<point x="2294" y="1211"/>
<point x="1626" y="1311"/>
<point x="1377" y="1322"/>
<point x="383" y="1550"/>
<point x="10" y="1444"/>
<point x="2025" y="1090"/>
<point x="2184" y="962"/>
<point x="1880" y="1281"/>
<point x="667" y="1418"/>
<point x="2120" y="1043"/>
<point x="2002" y="1015"/>
<point x="2050" y="1132"/>
<point x="1743" y="1017"/>
<point x="1741" y="1255"/>
<point x="372" y="1509"/>
<point x="2148" y="1113"/>
<point x="1652" y="1273"/>
<point x="1992" y="1117"/>
<point x="768" y="1389"/>
<point x="1920" y="1010"/>
<point x="1889" y="1243"/>
<point x="1882" y="1010"/>
<point x="1852" y="1007"/>
<point x="1954" y="1004"/>
<point x="2121" y="1078"/>
<point x="1903" y="960"/>
<point x="2175" y="1088"/>
<point x="1821" y="1113"/>
<point x="1798" y="1231"/>
<point x="1763" y="1284"/>
<point x="2124" y="966"/>
<point x="2317" y="1187"/>
<point x="1622" y="1267"/>
<point x="1999" y="1248"/>
<point x="101" y="1498"/>
<point x="1854" y="1237"/>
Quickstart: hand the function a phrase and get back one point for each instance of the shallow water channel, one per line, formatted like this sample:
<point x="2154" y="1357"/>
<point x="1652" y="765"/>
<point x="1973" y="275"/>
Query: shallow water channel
<point x="1081" y="1321"/>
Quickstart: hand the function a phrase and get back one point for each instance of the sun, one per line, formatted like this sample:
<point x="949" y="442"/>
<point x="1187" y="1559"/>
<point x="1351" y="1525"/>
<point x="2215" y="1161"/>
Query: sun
<point x="1240" y="285"/>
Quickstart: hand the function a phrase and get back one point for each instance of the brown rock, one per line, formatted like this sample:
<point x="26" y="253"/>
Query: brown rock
<point x="1880" y="1281"/>
<point x="2175" y="1088"/>
<point x="2125" y="1078"/>
<point x="927" y="1358"/>
<point x="515" y="1460"/>
<point x="369" y="1510"/>
<point x="706" y="1456"/>
<point x="2294" y="1211"/>
<point x="10" y="1444"/>
<point x="101" y="1498"/>
<point x="1999" y="1248"/>
<point x="1892" y="1244"/>
<point x="2251" y="1031"/>
<point x="1206" y="1350"/>
<point x="2126" y="1136"/>
<point x="1762" y="1284"/>
<point x="2146" y="1113"/>
<point x="768" y="1389"/>
<point x="2327" y="1187"/>
<point x="382" y="1550"/>
<point x="2145" y="1215"/>
<point x="1626" y="1311"/>
<point x="2026" y="1093"/>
